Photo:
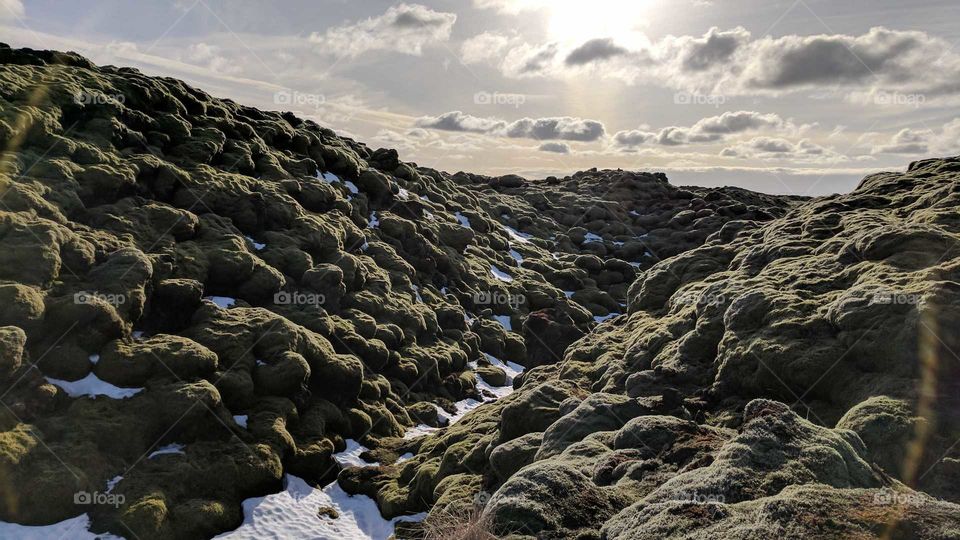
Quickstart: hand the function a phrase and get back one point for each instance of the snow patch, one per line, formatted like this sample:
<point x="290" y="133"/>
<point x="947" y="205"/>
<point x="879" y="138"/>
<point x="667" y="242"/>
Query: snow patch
<point x="373" y="222"/>
<point x="504" y="320"/>
<point x="591" y="237"/>
<point x="463" y="220"/>
<point x="293" y="513"/>
<point x="222" y="302"/>
<point x="523" y="238"/>
<point x="76" y="528"/>
<point x="351" y="456"/>
<point x="168" y="449"/>
<point x="241" y="420"/>
<point x="92" y="386"/>
<point x="112" y="483"/>
<point x="607" y="317"/>
<point x="94" y="358"/>
<point x="256" y="245"/>
<point x="516" y="256"/>
<point x="500" y="274"/>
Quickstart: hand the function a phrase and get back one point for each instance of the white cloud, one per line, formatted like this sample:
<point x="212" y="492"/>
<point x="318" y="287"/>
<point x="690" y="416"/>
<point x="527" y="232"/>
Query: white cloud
<point x="210" y="57"/>
<point x="922" y="141"/>
<point x="542" y="129"/>
<point x="11" y="9"/>
<point x="709" y="130"/>
<point x="770" y="148"/>
<point x="405" y="28"/>
<point x="733" y="62"/>
<point x="483" y="47"/>
<point x="512" y="7"/>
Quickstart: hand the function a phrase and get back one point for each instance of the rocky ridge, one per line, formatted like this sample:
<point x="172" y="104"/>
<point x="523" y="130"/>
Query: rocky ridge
<point x="256" y="292"/>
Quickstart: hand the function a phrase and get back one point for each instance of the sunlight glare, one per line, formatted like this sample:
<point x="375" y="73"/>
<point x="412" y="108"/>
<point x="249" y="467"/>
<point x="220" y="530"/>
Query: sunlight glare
<point x="576" y="21"/>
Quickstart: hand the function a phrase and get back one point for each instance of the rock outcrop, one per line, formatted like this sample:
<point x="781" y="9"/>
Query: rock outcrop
<point x="250" y="287"/>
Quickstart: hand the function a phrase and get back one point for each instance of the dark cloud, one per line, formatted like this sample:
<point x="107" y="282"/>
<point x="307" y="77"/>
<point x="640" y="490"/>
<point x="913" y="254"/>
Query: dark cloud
<point x="706" y="130"/>
<point x="555" y="147"/>
<point x="543" y="129"/>
<point x="594" y="50"/>
<point x="713" y="49"/>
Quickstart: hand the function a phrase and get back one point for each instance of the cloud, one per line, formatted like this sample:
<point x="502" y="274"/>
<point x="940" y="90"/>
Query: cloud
<point x="483" y="47"/>
<point x="405" y="28"/>
<point x="543" y="129"/>
<point x="527" y="60"/>
<point x="555" y="147"/>
<point x="511" y="7"/>
<point x="709" y="130"/>
<point x="593" y="51"/>
<point x="210" y="57"/>
<point x="768" y="148"/>
<point x="733" y="62"/>
<point x="922" y="141"/>
<point x="11" y="9"/>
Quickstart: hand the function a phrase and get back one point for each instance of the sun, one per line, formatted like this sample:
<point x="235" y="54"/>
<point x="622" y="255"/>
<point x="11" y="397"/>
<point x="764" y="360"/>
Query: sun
<point x="576" y="21"/>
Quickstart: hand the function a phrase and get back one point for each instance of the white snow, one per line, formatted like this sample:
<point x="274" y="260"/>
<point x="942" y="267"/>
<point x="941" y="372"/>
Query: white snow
<point x="505" y="321"/>
<point x="328" y="177"/>
<point x="500" y="274"/>
<point x="516" y="255"/>
<point x="605" y="317"/>
<point x="91" y="386"/>
<point x="292" y="513"/>
<point x="168" y="449"/>
<point x="222" y="302"/>
<point x="351" y="456"/>
<point x="112" y="483"/>
<point x="404" y="194"/>
<point x="94" y="358"/>
<point x="419" y="431"/>
<point x="137" y="334"/>
<point x="523" y="238"/>
<point x="512" y="369"/>
<point x="241" y="420"/>
<point x="406" y="457"/>
<point x="569" y="294"/>
<point x="374" y="222"/>
<point x="75" y="528"/>
<point x="256" y="245"/>
<point x="591" y="237"/>
<point x="463" y="220"/>
<point x="416" y="293"/>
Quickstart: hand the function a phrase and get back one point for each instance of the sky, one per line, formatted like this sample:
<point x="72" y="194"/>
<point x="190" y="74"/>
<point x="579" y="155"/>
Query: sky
<point x="797" y="97"/>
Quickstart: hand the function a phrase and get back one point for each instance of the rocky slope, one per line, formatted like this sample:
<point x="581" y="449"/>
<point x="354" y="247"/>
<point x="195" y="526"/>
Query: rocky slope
<point x="246" y="293"/>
